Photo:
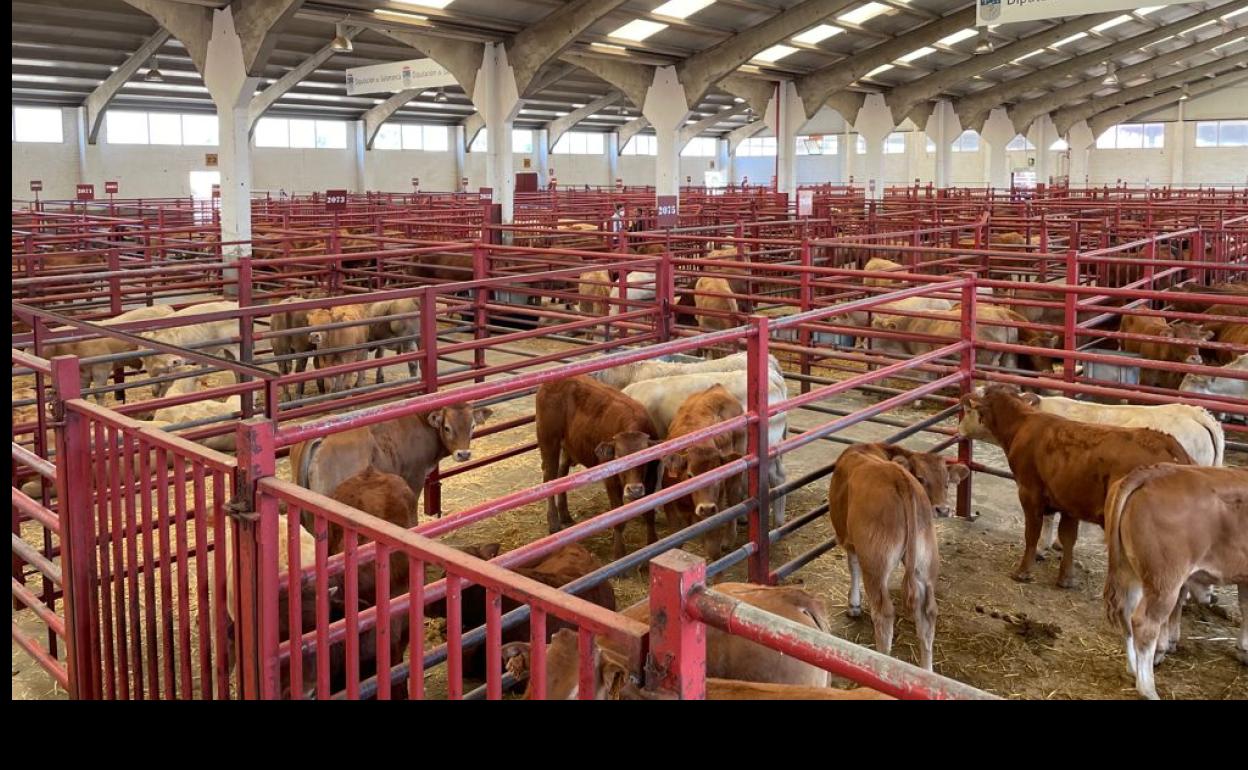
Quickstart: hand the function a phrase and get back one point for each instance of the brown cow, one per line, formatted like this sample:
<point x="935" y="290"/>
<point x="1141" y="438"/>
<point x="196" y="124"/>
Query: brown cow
<point x="1166" y="524"/>
<point x="881" y="499"/>
<point x="580" y="421"/>
<point x="725" y="311"/>
<point x="1230" y="334"/>
<point x="1060" y="465"/>
<point x="879" y="264"/>
<point x="727" y="656"/>
<point x="1186" y="351"/>
<point x="384" y="333"/>
<point x="287" y="344"/>
<point x="408" y="447"/>
<point x="711" y="406"/>
<point x="350" y="337"/>
<point x="735" y="689"/>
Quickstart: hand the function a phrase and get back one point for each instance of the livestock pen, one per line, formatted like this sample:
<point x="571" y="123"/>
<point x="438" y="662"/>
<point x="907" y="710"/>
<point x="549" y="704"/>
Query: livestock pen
<point x="472" y="351"/>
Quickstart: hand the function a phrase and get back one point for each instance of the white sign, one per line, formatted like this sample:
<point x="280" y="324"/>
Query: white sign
<point x="397" y="76"/>
<point x="805" y="202"/>
<point x="1009" y="11"/>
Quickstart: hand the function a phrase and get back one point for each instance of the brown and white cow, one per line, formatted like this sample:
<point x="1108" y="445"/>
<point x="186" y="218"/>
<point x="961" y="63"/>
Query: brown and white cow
<point x="344" y="345"/>
<point x="1185" y="348"/>
<point x="702" y="410"/>
<point x="882" y="499"/>
<point x="294" y="342"/>
<point x="1060" y="465"/>
<point x="580" y="421"/>
<point x="880" y="265"/>
<point x="1167" y="525"/>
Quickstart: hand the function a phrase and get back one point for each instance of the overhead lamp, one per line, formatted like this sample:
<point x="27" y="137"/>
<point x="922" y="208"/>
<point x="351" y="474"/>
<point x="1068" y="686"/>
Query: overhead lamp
<point x="1185" y="95"/>
<point x="153" y="74"/>
<point x="984" y="45"/>
<point x="1111" y="77"/>
<point x="341" y="43"/>
<point x="440" y="97"/>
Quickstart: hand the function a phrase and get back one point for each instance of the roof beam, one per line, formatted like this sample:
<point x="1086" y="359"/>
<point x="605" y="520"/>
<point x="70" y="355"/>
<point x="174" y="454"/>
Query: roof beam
<point x="974" y="109"/>
<point x="690" y="130"/>
<point x="903" y="98"/>
<point x="380" y="113"/>
<point x="1025" y="113"/>
<point x="738" y="135"/>
<point x="461" y="58"/>
<point x="472" y="126"/>
<point x="97" y="101"/>
<point x="536" y="45"/>
<point x="255" y="21"/>
<point x="190" y="24"/>
<point x="756" y="93"/>
<point x="1113" y="117"/>
<point x="631" y="129"/>
<point x="847" y="104"/>
<point x="1065" y="118"/>
<point x="261" y="102"/>
<point x="553" y="74"/>
<point x="818" y="86"/>
<point x="559" y="126"/>
<point x="633" y="80"/>
<point x="702" y="70"/>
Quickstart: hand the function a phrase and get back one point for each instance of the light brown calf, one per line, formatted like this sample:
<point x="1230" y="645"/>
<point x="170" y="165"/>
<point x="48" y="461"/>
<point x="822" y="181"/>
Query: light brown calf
<point x="289" y="344"/>
<point x="386" y="334"/>
<point x="1185" y="349"/>
<point x="352" y="337"/>
<point x="703" y="299"/>
<point x="879" y="264"/>
<point x="594" y="288"/>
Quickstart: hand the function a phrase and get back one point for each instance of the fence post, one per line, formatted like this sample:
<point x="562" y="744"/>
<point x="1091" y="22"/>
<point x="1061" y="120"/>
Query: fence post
<point x="758" y="379"/>
<point x="256" y="560"/>
<point x="806" y="301"/>
<point x="429" y="370"/>
<point x="666" y="278"/>
<point x="480" y="271"/>
<point x="677" y="660"/>
<point x="78" y="566"/>
<point x="1071" y="312"/>
<point x="966" y="448"/>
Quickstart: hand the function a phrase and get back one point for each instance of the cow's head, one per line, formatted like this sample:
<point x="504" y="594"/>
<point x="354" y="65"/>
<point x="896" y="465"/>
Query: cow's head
<point x="711" y="498"/>
<point x="454" y="425"/>
<point x="1043" y="363"/>
<point x="1188" y="336"/>
<point x="611" y="673"/>
<point x="623" y="444"/>
<point x="162" y="365"/>
<point x="319" y="317"/>
<point x="983" y="414"/>
<point x="935" y="476"/>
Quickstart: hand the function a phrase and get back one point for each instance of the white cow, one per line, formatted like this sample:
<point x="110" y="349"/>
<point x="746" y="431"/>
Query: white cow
<point x="664" y="396"/>
<point x="191" y="335"/>
<point x="620" y="377"/>
<point x="1206" y="385"/>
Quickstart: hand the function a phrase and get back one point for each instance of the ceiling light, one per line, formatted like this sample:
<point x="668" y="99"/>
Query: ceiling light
<point x="341" y="43"/>
<point x="984" y="45"/>
<point x="775" y="53"/>
<point x="1233" y="14"/>
<point x="919" y="54"/>
<point x="958" y="37"/>
<point x="1111" y="23"/>
<point x="817" y="34"/>
<point x="863" y="13"/>
<point x="1239" y="39"/>
<point x="1028" y="55"/>
<point x="738" y="100"/>
<point x="681" y="9"/>
<point x="1070" y="39"/>
<point x="440" y="97"/>
<point x="878" y="70"/>
<point x="637" y="30"/>
<point x="413" y="18"/>
<point x="1148" y="10"/>
<point x="153" y="74"/>
<point x="609" y="47"/>
<point x="1111" y="75"/>
<point x="437" y="5"/>
<point x="1198" y="26"/>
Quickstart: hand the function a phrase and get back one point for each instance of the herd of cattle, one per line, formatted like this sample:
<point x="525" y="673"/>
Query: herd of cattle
<point x="1176" y="521"/>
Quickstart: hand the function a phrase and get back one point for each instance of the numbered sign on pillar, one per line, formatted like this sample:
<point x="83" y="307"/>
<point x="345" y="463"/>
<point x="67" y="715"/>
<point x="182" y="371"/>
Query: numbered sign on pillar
<point x="216" y="191"/>
<point x="85" y="192"/>
<point x="487" y="194"/>
<point x="668" y="209"/>
<point x="805" y="202"/>
<point x="415" y="183"/>
<point x="463" y="184"/>
<point x="36" y="185"/>
<point x="111" y="188"/>
<point x="619" y="183"/>
<point x="335" y="200"/>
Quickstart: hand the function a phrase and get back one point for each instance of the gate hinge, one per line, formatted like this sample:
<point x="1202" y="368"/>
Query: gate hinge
<point x="238" y="508"/>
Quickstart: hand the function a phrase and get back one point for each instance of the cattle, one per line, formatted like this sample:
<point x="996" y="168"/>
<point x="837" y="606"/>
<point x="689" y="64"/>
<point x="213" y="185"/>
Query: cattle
<point x="1060" y="465"/>
<point x="727" y="656"/>
<point x="620" y="377"/>
<point x="95" y="375"/>
<point x="663" y="397"/>
<point x="409" y="446"/>
<point x="556" y="570"/>
<point x="195" y="411"/>
<point x="1184" y="349"/>
<point x="881" y="500"/>
<point x="735" y="689"/>
<point x="640" y="288"/>
<point x="399" y="334"/>
<point x="288" y="344"/>
<point x="1166" y="525"/>
<point x="343" y="345"/>
<point x="218" y="335"/>
<point x="987" y="329"/>
<point x="1183" y="304"/>
<point x="1225" y="387"/>
<point x="580" y="421"/>
<point x="712" y="406"/>
<point x="1231" y="334"/>
<point x="878" y="265"/>
<point x="724" y="309"/>
<point x="594" y="289"/>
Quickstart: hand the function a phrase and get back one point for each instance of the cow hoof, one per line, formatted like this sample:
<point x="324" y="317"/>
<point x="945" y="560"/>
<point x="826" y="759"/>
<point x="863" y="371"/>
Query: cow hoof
<point x="1067" y="582"/>
<point x="1158" y="656"/>
<point x="1243" y="656"/>
<point x="1021" y="577"/>
<point x="856" y="612"/>
<point x="1040" y="556"/>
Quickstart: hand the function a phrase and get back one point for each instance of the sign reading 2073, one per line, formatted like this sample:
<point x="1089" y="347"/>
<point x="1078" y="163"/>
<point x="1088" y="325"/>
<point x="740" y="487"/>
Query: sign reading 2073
<point x="335" y="200"/>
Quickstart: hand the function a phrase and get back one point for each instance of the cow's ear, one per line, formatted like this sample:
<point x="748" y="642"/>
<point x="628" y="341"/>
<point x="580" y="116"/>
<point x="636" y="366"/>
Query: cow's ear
<point x="958" y="473"/>
<point x="889" y="325"/>
<point x="904" y="462"/>
<point x="1031" y="399"/>
<point x="1167" y="332"/>
<point x="1206" y="334"/>
<point x="435" y="419"/>
<point x="605" y="451"/>
<point x="675" y="463"/>
<point x="481" y="415"/>
<point x="486" y="551"/>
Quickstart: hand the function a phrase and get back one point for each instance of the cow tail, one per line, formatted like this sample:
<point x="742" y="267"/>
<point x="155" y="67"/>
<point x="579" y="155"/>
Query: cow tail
<point x="1119" y="492"/>
<point x="1216" y="437"/>
<point x="917" y="556"/>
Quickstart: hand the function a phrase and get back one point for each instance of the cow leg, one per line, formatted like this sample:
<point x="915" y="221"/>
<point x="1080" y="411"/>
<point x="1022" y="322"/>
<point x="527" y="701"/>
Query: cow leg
<point x="301" y="366"/>
<point x="380" y="377"/>
<point x="1033" y="513"/>
<point x="615" y="497"/>
<point x="1173" y="629"/>
<point x="550" y="471"/>
<point x="1067" y="532"/>
<point x="855" y="585"/>
<point x="1242" y="651"/>
<point x="776" y="477"/>
<point x="413" y="368"/>
<point x="1048" y="536"/>
<point x="1146" y="626"/>
<point x="921" y="596"/>
<point x="875" y="579"/>
<point x="565" y="465"/>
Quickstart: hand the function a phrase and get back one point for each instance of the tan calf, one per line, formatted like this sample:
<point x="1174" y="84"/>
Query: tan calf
<point x="725" y="311"/>
<point x="352" y="337"/>
<point x="1185" y="348"/>
<point x="288" y="344"/>
<point x="386" y="334"/>
<point x="879" y="265"/>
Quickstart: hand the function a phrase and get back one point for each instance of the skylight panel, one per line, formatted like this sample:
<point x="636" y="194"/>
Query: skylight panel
<point x="681" y="9"/>
<point x="775" y="53"/>
<point x="1070" y="39"/>
<point x="958" y="37"/>
<point x="863" y="13"/>
<point x="879" y="69"/>
<point x="919" y="54"/>
<point x="818" y="34"/>
<point x="1111" y="23"/>
<point x="637" y="30"/>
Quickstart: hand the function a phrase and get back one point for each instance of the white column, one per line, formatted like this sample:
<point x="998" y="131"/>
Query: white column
<point x="915" y="150"/>
<point x="844" y="149"/>
<point x="541" y="156"/>
<point x="1080" y="139"/>
<point x="874" y="124"/>
<point x="357" y="151"/>
<point x="997" y="133"/>
<point x="1042" y="134"/>
<point x="785" y="115"/>
<point x="498" y="102"/>
<point x="461" y="162"/>
<point x="80" y="134"/>
<point x="1176" y="143"/>
<point x="944" y="128"/>
<point x="613" y="157"/>
<point x="666" y="109"/>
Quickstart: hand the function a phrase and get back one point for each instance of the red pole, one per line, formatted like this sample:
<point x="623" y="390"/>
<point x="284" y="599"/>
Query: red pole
<point x="677" y="641"/>
<point x="760" y="487"/>
<point x="256" y="515"/>
<point x="967" y="367"/>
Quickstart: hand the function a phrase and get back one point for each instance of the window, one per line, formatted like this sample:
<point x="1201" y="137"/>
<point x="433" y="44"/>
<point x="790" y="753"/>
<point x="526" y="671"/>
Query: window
<point x="1020" y="143"/>
<point x="1222" y="133"/>
<point x="302" y="134"/>
<point x="895" y="144"/>
<point x="817" y="145"/>
<point x="199" y="130"/>
<point x="36" y="124"/>
<point x="389" y="137"/>
<point x="126" y="127"/>
<point x="164" y="128"/>
<point x="522" y="141"/>
<point x="930" y="146"/>
<point x="1059" y="146"/>
<point x="860" y="145"/>
<point x="701" y="147"/>
<point x="409" y="136"/>
<point x="579" y="143"/>
<point x="1133" y="136"/>
<point x="480" y="142"/>
<point x="967" y="142"/>
<point x="756" y="147"/>
<point x="642" y="144"/>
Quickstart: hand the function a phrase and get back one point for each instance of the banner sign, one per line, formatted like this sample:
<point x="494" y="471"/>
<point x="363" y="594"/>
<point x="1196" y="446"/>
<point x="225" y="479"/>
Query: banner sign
<point x="36" y="185"/>
<point x="486" y="193"/>
<point x="397" y="76"/>
<point x="1009" y="11"/>
<point x="86" y="192"/>
<point x="668" y="210"/>
<point x="335" y="200"/>
<point x="216" y="191"/>
<point x="111" y="188"/>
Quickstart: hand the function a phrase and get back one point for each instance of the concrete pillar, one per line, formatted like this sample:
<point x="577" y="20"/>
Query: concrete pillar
<point x="460" y="148"/>
<point x="497" y="100"/>
<point x="1081" y="140"/>
<point x="80" y="136"/>
<point x="1176" y="143"/>
<point x="666" y="108"/>
<point x="997" y="133"/>
<point x="541" y="156"/>
<point x="362" y="182"/>
<point x="874" y="124"/>
<point x="613" y="157"/>
<point x="916" y="142"/>
<point x="723" y="160"/>
<point x="848" y="149"/>
<point x="944" y="128"/>
<point x="785" y="115"/>
<point x="1043" y="134"/>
